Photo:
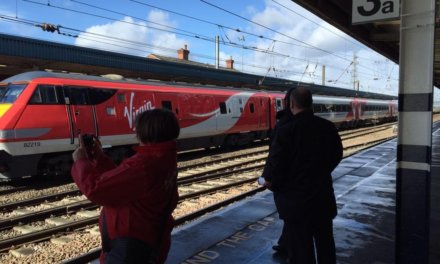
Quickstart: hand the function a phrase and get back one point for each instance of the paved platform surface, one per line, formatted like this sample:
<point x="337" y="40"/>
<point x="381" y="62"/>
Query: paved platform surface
<point x="245" y="232"/>
<point x="364" y="228"/>
<point x="435" y="196"/>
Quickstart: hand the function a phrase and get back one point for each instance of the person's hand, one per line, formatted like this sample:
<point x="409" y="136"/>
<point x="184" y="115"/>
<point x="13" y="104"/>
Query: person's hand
<point x="268" y="185"/>
<point x="96" y="150"/>
<point x="81" y="151"/>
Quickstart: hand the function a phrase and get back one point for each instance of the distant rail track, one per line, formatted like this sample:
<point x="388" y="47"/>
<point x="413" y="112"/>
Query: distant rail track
<point x="197" y="178"/>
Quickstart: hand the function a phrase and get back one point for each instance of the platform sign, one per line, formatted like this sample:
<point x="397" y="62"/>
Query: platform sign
<point x="366" y="11"/>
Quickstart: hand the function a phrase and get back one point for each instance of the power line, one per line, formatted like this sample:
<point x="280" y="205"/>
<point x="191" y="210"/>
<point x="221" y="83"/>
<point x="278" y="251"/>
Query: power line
<point x="111" y="40"/>
<point x="329" y="30"/>
<point x="270" y="29"/>
<point x="197" y="36"/>
<point x="276" y="31"/>
<point x="193" y="35"/>
<point x="231" y="44"/>
<point x="122" y="14"/>
<point x="218" y="25"/>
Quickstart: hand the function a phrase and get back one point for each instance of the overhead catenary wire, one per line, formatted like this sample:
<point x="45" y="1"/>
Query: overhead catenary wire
<point x="260" y="36"/>
<point x="193" y="35"/>
<point x="218" y="25"/>
<point x="111" y="40"/>
<point x="316" y="23"/>
<point x="276" y="31"/>
<point x="240" y="46"/>
<point x="197" y="36"/>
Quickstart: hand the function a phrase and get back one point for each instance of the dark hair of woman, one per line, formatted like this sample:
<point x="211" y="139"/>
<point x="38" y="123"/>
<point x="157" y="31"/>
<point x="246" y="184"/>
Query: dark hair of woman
<point x="157" y="125"/>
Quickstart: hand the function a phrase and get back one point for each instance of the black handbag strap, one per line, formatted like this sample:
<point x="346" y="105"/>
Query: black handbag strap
<point x="106" y="247"/>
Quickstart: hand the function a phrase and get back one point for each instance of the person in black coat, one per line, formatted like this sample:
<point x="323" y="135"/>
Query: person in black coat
<point x="303" y="154"/>
<point x="283" y="117"/>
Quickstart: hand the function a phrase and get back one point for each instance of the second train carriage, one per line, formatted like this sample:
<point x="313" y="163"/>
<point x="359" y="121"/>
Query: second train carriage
<point x="42" y="113"/>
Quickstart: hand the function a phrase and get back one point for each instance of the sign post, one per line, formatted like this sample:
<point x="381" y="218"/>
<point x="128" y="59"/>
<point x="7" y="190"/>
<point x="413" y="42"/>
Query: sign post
<point x="365" y="11"/>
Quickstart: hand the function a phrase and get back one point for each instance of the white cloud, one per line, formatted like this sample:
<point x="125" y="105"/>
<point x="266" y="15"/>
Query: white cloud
<point x="9" y="27"/>
<point x="134" y="37"/>
<point x="328" y="46"/>
<point x="115" y="36"/>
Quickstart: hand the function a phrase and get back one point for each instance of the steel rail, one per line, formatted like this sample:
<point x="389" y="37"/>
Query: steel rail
<point x="94" y="254"/>
<point x="40" y="199"/>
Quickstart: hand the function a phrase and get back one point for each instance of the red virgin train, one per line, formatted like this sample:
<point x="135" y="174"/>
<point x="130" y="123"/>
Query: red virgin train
<point x="41" y="114"/>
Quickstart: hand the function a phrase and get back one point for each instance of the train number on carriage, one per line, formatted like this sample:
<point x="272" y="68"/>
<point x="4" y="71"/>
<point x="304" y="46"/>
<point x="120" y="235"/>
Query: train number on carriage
<point x="31" y="144"/>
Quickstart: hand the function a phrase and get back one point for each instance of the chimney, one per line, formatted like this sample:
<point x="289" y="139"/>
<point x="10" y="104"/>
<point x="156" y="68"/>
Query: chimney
<point x="230" y="63"/>
<point x="182" y="54"/>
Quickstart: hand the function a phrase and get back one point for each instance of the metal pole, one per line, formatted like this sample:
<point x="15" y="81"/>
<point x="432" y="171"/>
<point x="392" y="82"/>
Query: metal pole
<point x="415" y="131"/>
<point x="323" y="74"/>
<point x="217" y="52"/>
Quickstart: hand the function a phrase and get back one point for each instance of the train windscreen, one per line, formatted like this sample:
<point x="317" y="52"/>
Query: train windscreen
<point x="9" y="93"/>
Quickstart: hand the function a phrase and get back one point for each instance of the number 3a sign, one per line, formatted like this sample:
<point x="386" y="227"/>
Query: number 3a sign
<point x="365" y="11"/>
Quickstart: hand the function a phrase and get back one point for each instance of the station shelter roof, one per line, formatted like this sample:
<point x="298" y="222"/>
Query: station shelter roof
<point x="382" y="36"/>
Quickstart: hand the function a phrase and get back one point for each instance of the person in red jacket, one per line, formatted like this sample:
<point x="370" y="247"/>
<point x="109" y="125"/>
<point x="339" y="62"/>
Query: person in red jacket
<point x="138" y="196"/>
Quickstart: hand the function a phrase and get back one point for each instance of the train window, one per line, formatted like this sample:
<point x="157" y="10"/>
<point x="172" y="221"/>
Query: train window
<point x="251" y="107"/>
<point x="121" y="98"/>
<point x="167" y="105"/>
<point x="10" y="93"/>
<point x="76" y="95"/>
<point x="279" y="106"/>
<point x="44" y="94"/>
<point x="317" y="108"/>
<point x="222" y="108"/>
<point x="111" y="111"/>
<point x="98" y="96"/>
<point x="329" y="108"/>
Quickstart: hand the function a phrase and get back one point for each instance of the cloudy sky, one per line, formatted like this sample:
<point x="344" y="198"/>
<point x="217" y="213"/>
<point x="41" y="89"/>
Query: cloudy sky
<point x="268" y="37"/>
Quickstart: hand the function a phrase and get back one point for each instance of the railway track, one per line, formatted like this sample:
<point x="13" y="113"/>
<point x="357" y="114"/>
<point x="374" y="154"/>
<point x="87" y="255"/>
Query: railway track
<point x="195" y="181"/>
<point x="190" y="187"/>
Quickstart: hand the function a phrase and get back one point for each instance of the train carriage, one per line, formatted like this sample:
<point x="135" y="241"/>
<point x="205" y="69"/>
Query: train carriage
<point x="42" y="114"/>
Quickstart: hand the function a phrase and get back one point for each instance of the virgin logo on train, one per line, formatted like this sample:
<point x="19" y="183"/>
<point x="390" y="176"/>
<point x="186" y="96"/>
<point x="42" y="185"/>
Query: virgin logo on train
<point x="131" y="113"/>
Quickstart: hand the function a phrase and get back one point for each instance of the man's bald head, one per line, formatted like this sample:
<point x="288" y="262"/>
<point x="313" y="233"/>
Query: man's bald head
<point x="301" y="98"/>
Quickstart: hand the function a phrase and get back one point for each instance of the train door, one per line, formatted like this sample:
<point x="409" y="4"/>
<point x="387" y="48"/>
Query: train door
<point x="236" y="107"/>
<point x="279" y="105"/>
<point x="252" y="114"/>
<point x="263" y="112"/>
<point x="390" y="110"/>
<point x="355" y="109"/>
<point x="81" y="114"/>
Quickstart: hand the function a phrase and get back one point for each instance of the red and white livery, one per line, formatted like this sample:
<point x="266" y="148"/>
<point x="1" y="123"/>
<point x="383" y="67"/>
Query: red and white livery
<point x="42" y="113"/>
